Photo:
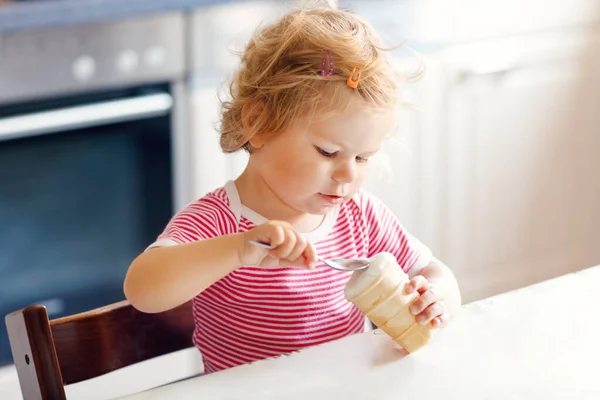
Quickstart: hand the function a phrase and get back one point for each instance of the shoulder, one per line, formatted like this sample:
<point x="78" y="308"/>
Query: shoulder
<point x="210" y="215"/>
<point x="213" y="203"/>
<point x="363" y="210"/>
<point x="374" y="213"/>
<point x="366" y="202"/>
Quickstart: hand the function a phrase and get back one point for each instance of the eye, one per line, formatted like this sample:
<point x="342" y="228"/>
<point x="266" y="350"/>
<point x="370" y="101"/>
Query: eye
<point x="362" y="159"/>
<point x="324" y="153"/>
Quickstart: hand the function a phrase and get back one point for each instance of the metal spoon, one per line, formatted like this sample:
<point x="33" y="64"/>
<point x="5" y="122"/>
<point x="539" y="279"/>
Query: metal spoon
<point x="341" y="264"/>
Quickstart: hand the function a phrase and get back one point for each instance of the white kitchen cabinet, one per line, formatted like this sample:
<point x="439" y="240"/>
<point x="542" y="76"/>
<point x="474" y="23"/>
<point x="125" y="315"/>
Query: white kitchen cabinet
<point x="523" y="158"/>
<point x="503" y="176"/>
<point x="407" y="173"/>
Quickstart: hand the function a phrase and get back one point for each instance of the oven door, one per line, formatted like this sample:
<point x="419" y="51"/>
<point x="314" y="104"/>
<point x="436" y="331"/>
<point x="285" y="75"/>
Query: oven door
<point x="85" y="185"/>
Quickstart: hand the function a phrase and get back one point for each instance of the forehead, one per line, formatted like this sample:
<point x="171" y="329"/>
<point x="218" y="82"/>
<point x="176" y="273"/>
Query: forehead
<point x="354" y="125"/>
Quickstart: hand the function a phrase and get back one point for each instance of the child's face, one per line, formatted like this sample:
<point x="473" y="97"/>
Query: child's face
<point x="314" y="166"/>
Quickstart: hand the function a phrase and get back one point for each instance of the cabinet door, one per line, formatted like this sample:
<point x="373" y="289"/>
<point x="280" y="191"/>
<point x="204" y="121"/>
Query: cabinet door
<point x="217" y="34"/>
<point x="407" y="174"/>
<point x="522" y="152"/>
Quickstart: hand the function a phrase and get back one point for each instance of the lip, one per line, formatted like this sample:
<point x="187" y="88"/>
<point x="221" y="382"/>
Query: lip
<point x="332" y="198"/>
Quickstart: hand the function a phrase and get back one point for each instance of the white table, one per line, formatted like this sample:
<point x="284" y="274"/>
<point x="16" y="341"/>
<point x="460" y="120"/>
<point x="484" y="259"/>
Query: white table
<point x="539" y="342"/>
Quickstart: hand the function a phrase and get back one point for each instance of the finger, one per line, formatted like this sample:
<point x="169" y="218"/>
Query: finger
<point x="417" y="284"/>
<point x="308" y="258"/>
<point x="298" y="248"/>
<point x="440" y="321"/>
<point x="433" y="311"/>
<point x="424" y="300"/>
<point x="289" y="242"/>
<point x="310" y="255"/>
<point x="275" y="235"/>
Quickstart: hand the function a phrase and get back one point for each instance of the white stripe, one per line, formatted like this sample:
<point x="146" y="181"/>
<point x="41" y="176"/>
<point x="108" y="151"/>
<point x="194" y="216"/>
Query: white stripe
<point x="271" y="296"/>
<point x="301" y="324"/>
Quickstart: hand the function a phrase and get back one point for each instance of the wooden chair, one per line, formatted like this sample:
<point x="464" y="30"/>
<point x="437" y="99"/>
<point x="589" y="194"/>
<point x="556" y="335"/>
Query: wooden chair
<point x="49" y="354"/>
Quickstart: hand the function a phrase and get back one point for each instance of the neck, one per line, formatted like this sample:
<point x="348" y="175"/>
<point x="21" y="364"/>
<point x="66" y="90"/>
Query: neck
<point x="256" y="194"/>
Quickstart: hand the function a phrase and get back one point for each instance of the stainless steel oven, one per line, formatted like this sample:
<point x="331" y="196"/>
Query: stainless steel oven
<point x="93" y="158"/>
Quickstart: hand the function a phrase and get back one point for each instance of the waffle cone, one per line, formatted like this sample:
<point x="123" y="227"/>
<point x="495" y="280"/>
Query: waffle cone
<point x="385" y="302"/>
<point x="395" y="304"/>
<point x="399" y="323"/>
<point x="378" y="291"/>
<point x="415" y="337"/>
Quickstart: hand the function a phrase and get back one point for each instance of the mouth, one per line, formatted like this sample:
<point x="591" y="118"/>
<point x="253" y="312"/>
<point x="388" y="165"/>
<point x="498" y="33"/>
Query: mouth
<point x="332" y="199"/>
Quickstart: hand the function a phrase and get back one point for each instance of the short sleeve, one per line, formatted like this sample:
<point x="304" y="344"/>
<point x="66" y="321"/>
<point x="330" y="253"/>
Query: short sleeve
<point x="386" y="234"/>
<point x="205" y="218"/>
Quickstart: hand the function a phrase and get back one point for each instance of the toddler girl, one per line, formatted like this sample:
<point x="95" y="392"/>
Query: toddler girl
<point x="312" y="101"/>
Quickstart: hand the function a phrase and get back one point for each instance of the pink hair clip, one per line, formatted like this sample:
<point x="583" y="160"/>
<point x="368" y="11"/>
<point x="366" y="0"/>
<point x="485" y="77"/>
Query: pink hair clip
<point x="327" y="57"/>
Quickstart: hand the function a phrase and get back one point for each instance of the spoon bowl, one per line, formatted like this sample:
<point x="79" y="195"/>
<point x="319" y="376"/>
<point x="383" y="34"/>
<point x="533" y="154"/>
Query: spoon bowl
<point x="341" y="264"/>
<point x="346" y="264"/>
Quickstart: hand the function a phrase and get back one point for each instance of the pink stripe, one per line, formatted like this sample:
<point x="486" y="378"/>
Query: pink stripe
<point x="295" y="329"/>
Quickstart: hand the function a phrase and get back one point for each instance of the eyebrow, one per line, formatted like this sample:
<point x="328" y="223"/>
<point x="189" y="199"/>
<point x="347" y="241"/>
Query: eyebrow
<point x="370" y="153"/>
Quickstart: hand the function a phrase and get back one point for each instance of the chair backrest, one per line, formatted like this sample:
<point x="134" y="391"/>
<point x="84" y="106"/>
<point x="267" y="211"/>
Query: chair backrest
<point x="49" y="354"/>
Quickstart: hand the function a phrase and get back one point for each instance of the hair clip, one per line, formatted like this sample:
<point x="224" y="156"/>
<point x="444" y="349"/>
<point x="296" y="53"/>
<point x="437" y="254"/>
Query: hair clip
<point x="353" y="83"/>
<point x="324" y="71"/>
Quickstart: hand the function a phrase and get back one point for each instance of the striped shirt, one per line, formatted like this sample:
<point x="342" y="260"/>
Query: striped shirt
<point x="255" y="313"/>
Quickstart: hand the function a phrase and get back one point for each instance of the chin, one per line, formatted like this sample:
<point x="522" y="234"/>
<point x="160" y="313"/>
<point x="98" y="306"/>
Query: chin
<point x="321" y="210"/>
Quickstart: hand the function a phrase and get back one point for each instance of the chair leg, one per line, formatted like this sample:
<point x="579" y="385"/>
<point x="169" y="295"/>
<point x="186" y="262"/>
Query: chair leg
<point x="34" y="354"/>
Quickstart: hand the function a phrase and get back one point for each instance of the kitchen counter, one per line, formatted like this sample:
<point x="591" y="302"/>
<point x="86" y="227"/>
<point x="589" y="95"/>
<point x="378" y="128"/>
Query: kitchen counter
<point x="17" y="16"/>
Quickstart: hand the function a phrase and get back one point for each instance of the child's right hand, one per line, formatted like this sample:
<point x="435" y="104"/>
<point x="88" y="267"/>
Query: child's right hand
<point x="289" y="247"/>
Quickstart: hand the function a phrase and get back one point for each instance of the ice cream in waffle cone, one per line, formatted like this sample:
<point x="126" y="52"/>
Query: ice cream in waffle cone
<point x="379" y="292"/>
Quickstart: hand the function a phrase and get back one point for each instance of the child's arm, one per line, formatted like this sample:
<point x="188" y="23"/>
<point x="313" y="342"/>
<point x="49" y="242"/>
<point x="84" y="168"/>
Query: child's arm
<point x="166" y="277"/>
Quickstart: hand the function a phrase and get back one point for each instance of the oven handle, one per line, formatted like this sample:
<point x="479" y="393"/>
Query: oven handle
<point x="85" y="116"/>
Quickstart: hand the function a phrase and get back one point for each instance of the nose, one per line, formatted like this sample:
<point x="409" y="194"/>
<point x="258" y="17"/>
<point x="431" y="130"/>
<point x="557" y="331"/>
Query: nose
<point x="345" y="172"/>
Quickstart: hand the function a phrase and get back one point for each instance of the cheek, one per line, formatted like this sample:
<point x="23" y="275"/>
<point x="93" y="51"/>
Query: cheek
<point x="360" y="177"/>
<point x="307" y="170"/>
<point x="303" y="174"/>
<point x="285" y="166"/>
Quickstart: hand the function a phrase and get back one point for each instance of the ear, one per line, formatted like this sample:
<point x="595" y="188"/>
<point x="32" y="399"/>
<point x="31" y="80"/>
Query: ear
<point x="252" y="115"/>
<point x="256" y="142"/>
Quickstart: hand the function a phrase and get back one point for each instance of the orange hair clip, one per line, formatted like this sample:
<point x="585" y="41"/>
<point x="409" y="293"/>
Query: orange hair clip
<point x="353" y="83"/>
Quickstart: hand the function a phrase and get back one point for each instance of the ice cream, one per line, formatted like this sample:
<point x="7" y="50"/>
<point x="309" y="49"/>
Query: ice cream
<point x="379" y="292"/>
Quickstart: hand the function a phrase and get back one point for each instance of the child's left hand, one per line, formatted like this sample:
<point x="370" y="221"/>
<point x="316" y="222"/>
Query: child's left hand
<point x="428" y="306"/>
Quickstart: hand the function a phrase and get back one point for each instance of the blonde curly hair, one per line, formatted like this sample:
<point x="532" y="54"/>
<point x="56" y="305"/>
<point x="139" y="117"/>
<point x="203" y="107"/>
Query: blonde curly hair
<point x="279" y="78"/>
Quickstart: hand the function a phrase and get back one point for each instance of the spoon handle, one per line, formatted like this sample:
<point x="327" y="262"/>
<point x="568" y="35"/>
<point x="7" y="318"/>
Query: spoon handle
<point x="331" y="263"/>
<point x="261" y="244"/>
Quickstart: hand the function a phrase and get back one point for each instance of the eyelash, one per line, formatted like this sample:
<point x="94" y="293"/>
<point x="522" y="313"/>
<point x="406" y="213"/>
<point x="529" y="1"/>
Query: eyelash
<point x="331" y="155"/>
<point x="325" y="153"/>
